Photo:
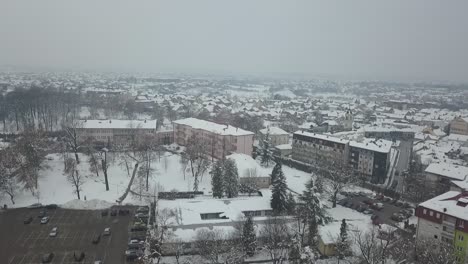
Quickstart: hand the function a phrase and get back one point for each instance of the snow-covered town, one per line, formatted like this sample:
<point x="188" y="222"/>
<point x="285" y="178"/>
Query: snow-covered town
<point x="234" y="132"/>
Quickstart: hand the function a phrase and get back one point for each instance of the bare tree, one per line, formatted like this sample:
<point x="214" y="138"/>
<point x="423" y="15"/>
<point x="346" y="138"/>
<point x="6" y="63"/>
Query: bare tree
<point x="277" y="237"/>
<point x="215" y="246"/>
<point x="74" y="177"/>
<point x="9" y="167"/>
<point x="196" y="153"/>
<point x="423" y="250"/>
<point x="71" y="129"/>
<point x="165" y="218"/>
<point x="373" y="248"/>
<point x="340" y="175"/>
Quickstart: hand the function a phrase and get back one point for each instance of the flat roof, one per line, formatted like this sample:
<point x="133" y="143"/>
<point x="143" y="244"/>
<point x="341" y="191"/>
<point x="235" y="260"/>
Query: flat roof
<point x="321" y="136"/>
<point x="118" y="124"/>
<point x="213" y="127"/>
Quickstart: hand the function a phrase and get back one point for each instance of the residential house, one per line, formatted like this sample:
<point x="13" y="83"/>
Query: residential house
<point x="459" y="125"/>
<point x="277" y="136"/>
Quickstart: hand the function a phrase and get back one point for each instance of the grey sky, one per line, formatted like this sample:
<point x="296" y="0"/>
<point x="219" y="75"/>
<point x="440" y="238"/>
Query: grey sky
<point x="400" y="39"/>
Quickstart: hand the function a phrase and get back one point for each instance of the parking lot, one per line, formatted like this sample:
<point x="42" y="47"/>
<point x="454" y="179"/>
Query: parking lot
<point x="27" y="243"/>
<point x="384" y="215"/>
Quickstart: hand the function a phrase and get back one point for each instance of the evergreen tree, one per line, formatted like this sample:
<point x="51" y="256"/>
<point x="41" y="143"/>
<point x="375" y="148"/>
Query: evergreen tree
<point x="319" y="184"/>
<point x="249" y="238"/>
<point x="266" y="156"/>
<point x="295" y="252"/>
<point x="291" y="204"/>
<point x="279" y="202"/>
<point x="217" y="184"/>
<point x="343" y="243"/>
<point x="312" y="211"/>
<point x="275" y="171"/>
<point x="231" y="178"/>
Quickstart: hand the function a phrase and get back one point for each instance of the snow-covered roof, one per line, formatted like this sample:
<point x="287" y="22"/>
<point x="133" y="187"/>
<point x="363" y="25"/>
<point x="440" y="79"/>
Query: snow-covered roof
<point x="118" y="124"/>
<point x="284" y="146"/>
<point x="213" y="127"/>
<point x="448" y="201"/>
<point x="320" y="136"/>
<point x="273" y="131"/>
<point x="448" y="170"/>
<point x="379" y="145"/>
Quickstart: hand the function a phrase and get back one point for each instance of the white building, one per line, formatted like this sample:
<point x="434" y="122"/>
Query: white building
<point x="277" y="135"/>
<point x="442" y="174"/>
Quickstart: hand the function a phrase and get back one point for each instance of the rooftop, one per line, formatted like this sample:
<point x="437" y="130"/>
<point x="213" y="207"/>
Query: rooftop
<point x="450" y="203"/>
<point x="213" y="127"/>
<point x="378" y="145"/>
<point x="274" y="131"/>
<point x="448" y="170"/>
<point x="118" y="124"/>
<point x="323" y="137"/>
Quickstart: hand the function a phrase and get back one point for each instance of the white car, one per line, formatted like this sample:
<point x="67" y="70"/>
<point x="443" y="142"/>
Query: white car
<point x="98" y="262"/>
<point x="53" y="232"/>
<point x="107" y="231"/>
<point x="45" y="220"/>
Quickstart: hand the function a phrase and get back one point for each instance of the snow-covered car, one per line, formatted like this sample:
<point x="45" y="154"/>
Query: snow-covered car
<point x="53" y="232"/>
<point x="141" y="215"/>
<point x="143" y="209"/>
<point x="47" y="258"/>
<point x="27" y="220"/>
<point x="107" y="231"/>
<point x="98" y="262"/>
<point x="45" y="220"/>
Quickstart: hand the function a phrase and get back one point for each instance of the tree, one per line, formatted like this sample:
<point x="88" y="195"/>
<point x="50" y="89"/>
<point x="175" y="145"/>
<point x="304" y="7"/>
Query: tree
<point x="342" y="246"/>
<point x="10" y="165"/>
<point x="339" y="174"/>
<point x="71" y="136"/>
<point x="217" y="179"/>
<point x="196" y="153"/>
<point x="275" y="171"/>
<point x="211" y="244"/>
<point x="264" y="151"/>
<point x="312" y="212"/>
<point x="74" y="177"/>
<point x="231" y="178"/>
<point x="279" y="194"/>
<point x="291" y="204"/>
<point x="105" y="165"/>
<point x="250" y="184"/>
<point x="319" y="185"/>
<point x="249" y="238"/>
<point x="277" y="238"/>
<point x="146" y="145"/>
<point x="422" y="250"/>
<point x="372" y="248"/>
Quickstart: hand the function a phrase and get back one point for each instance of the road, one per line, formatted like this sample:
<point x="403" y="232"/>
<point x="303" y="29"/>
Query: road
<point x="406" y="147"/>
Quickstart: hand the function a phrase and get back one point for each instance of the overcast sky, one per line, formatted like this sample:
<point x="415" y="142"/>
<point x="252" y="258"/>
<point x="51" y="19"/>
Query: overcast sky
<point x="395" y="39"/>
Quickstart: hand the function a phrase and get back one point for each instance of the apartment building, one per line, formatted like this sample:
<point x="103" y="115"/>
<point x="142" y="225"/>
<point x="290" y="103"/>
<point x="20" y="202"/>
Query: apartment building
<point x="459" y="125"/>
<point x="371" y="157"/>
<point x="222" y="140"/>
<point x="441" y="175"/>
<point x="309" y="147"/>
<point x="277" y="136"/>
<point x="445" y="218"/>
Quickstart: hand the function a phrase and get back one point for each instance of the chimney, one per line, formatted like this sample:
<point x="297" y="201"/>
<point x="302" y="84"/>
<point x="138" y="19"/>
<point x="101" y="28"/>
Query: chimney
<point x="110" y="121"/>
<point x="445" y="210"/>
<point x="145" y="120"/>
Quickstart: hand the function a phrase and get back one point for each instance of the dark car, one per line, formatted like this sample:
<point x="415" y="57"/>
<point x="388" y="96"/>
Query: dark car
<point x="143" y="209"/>
<point x="41" y="214"/>
<point x="104" y="213"/>
<point x="28" y="220"/>
<point x="374" y="216"/>
<point x="361" y="209"/>
<point x="124" y="212"/>
<point x="47" y="258"/>
<point x="368" y="201"/>
<point x="141" y="215"/>
<point x="138" y="228"/>
<point x="78" y="255"/>
<point x="113" y="212"/>
<point x="133" y="254"/>
<point x="96" y="238"/>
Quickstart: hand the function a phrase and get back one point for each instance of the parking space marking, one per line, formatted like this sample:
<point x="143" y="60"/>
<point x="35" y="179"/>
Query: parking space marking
<point x="11" y="259"/>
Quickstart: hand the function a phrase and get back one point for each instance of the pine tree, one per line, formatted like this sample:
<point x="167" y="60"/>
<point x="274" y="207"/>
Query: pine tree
<point x="312" y="212"/>
<point x="279" y="202"/>
<point x="217" y="184"/>
<point x="343" y="243"/>
<point x="319" y="184"/>
<point x="295" y="252"/>
<point x="275" y="171"/>
<point x="265" y="151"/>
<point x="249" y="238"/>
<point x="231" y="178"/>
<point x="291" y="204"/>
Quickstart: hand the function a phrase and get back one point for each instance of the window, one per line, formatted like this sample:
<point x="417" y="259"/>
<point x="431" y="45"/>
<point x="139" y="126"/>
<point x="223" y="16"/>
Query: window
<point x="437" y="215"/>
<point x="424" y="211"/>
<point x="461" y="223"/>
<point x="436" y="237"/>
<point x="431" y="213"/>
<point x="460" y="237"/>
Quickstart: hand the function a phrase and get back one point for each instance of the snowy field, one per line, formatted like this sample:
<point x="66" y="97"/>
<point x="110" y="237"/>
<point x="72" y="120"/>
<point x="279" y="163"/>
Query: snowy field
<point x="53" y="186"/>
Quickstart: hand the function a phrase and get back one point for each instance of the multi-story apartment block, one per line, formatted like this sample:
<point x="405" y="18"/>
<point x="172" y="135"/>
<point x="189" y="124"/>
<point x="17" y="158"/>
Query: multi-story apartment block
<point x="441" y="175"/>
<point x="310" y="147"/>
<point x="277" y="136"/>
<point x="369" y="157"/>
<point x="459" y="125"/>
<point x="222" y="140"/>
<point x="445" y="218"/>
<point x="112" y="132"/>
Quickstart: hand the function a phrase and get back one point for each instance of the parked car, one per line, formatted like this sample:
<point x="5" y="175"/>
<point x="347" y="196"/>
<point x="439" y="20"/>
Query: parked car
<point x="47" y="258"/>
<point x="45" y="220"/>
<point x="96" y="238"/>
<point x="387" y="199"/>
<point x="124" y="212"/>
<point x="35" y="206"/>
<point x="133" y="254"/>
<point x="138" y="227"/>
<point x="141" y="215"/>
<point x="98" y="262"/>
<point x="107" y="231"/>
<point x="361" y="208"/>
<point x="368" y="211"/>
<point x="104" y="213"/>
<point x="397" y="217"/>
<point x="113" y="212"/>
<point x="374" y="216"/>
<point x="377" y="206"/>
<point x="368" y="201"/>
<point x="53" y="232"/>
<point x="27" y="220"/>
<point x="399" y="203"/>
<point x="78" y="255"/>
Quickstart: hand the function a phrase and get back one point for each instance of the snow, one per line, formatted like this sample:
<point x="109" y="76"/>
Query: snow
<point x="213" y="127"/>
<point x="323" y="137"/>
<point x="448" y="170"/>
<point x="273" y="131"/>
<point x="448" y="201"/>
<point x="284" y="146"/>
<point x="118" y="124"/>
<point x="93" y="204"/>
<point x="379" y="145"/>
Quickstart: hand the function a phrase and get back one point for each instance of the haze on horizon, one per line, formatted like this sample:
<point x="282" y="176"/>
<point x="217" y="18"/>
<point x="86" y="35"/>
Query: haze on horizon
<point x="398" y="39"/>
